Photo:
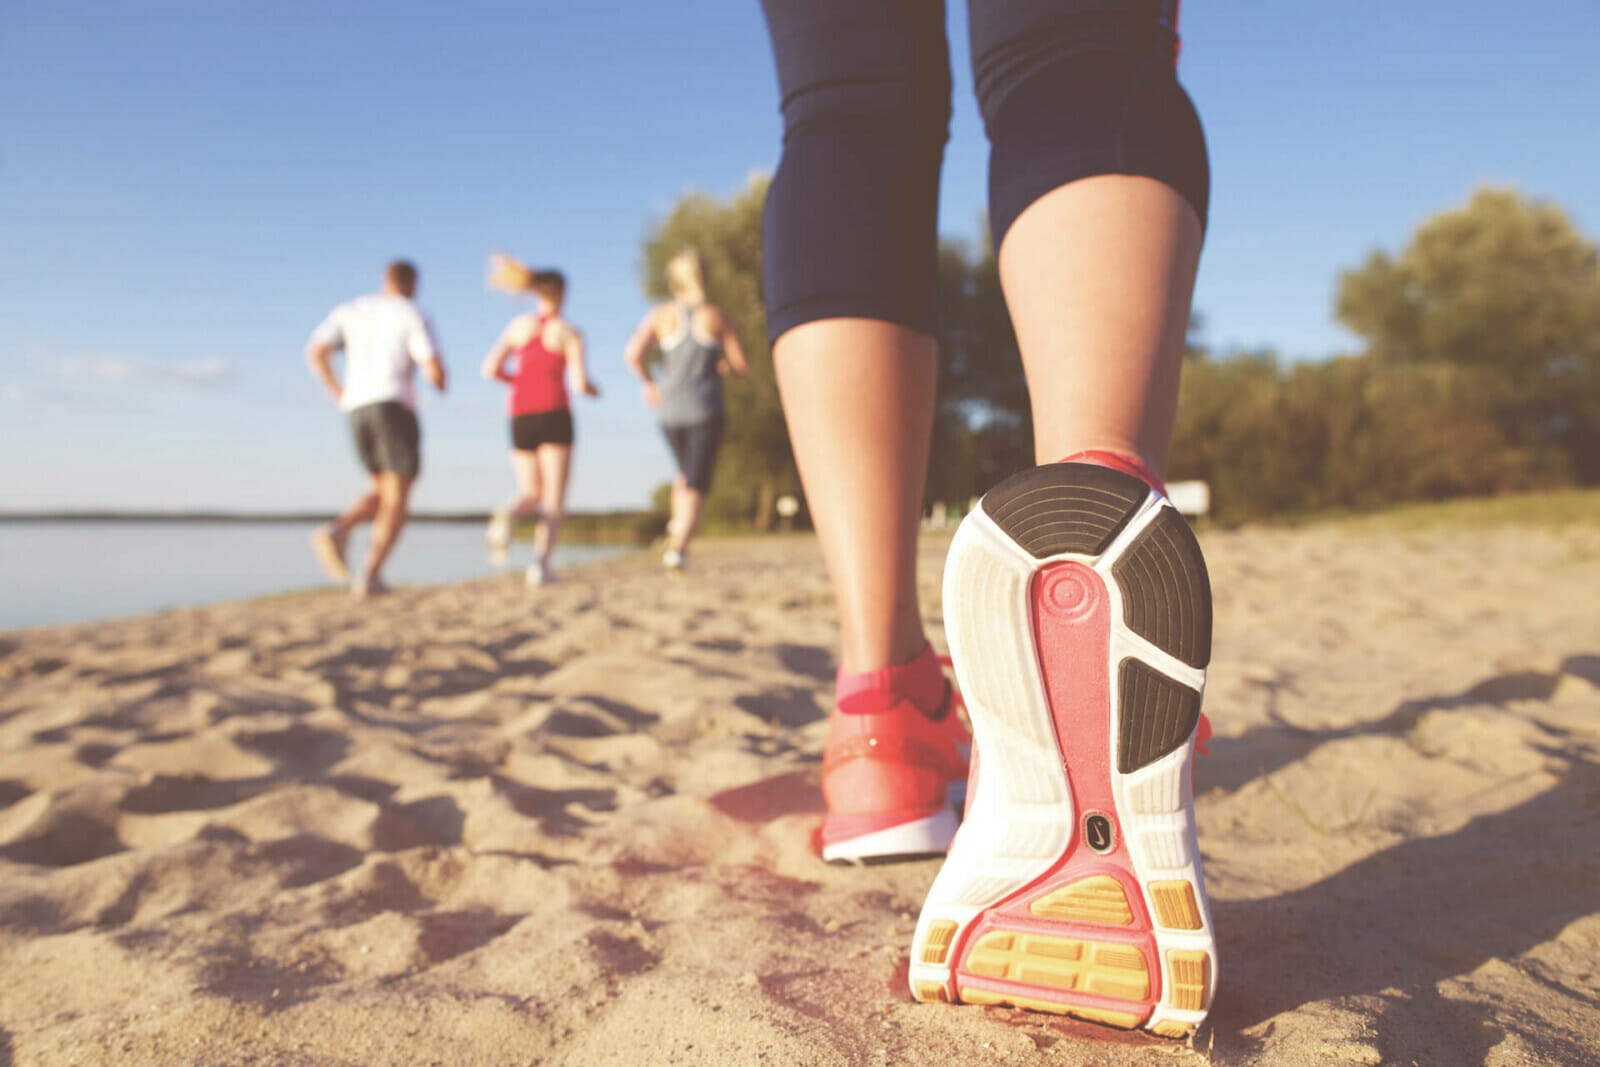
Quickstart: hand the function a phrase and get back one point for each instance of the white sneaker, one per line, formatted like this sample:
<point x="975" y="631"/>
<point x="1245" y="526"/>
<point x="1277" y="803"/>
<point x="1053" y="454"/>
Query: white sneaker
<point x="365" y="588"/>
<point x="538" y="574"/>
<point x="672" y="559"/>
<point x="1078" y="611"/>
<point x="329" y="546"/>
<point x="498" y="534"/>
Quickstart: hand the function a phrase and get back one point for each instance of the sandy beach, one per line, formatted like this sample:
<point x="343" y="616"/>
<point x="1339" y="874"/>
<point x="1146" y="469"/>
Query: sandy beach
<point x="475" y="824"/>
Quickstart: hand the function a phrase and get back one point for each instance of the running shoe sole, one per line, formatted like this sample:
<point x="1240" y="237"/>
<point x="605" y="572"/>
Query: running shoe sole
<point x="497" y="535"/>
<point x="329" y="556"/>
<point x="1078" y="613"/>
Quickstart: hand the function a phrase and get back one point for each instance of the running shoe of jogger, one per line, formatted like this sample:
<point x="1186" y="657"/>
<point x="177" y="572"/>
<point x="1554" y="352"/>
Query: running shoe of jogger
<point x="1079" y="619"/>
<point x="1076" y="603"/>
<point x="894" y="765"/>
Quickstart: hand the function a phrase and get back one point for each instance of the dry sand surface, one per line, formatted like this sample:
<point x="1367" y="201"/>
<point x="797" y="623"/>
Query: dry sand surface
<point x="481" y="825"/>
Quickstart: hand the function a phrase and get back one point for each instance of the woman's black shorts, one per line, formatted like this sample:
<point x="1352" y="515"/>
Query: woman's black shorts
<point x="695" y="448"/>
<point x="1068" y="89"/>
<point x="528" y="432"/>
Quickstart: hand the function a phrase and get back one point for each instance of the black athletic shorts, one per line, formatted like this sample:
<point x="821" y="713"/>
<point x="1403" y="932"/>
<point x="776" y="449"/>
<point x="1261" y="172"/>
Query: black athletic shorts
<point x="388" y="438"/>
<point x="695" y="447"/>
<point x="1068" y="89"/>
<point x="528" y="432"/>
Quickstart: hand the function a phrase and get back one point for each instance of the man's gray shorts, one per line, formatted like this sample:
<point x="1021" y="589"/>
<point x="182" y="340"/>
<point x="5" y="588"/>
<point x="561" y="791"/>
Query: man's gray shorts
<point x="388" y="438"/>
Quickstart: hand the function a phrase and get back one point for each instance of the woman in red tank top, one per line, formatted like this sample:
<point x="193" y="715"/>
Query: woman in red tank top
<point x="548" y="352"/>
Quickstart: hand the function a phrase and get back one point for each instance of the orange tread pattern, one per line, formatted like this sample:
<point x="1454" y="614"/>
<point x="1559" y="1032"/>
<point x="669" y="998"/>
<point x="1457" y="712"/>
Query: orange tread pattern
<point x="940" y="934"/>
<point x="1092" y="900"/>
<point x="1173" y="1029"/>
<point x="1124" y="1020"/>
<point x="1191" y="973"/>
<point x="1176" y="907"/>
<point x="1104" y="968"/>
<point x="932" y="991"/>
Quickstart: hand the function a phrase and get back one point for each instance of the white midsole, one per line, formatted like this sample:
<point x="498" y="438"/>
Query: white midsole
<point x="926" y="836"/>
<point x="1020" y="820"/>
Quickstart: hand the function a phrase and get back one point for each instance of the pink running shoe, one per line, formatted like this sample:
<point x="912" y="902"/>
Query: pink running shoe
<point x="1078" y="612"/>
<point x="893" y="777"/>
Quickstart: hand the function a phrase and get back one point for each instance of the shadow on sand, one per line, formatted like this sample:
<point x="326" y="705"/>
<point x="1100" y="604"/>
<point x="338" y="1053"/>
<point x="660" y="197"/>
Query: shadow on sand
<point x="1264" y="750"/>
<point x="1397" y="924"/>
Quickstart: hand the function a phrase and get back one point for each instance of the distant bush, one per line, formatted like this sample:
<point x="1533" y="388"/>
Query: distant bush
<point x="613" y="527"/>
<point x="1345" y="433"/>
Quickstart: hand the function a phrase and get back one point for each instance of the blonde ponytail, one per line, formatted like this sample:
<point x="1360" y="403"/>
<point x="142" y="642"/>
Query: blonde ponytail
<point x="686" y="277"/>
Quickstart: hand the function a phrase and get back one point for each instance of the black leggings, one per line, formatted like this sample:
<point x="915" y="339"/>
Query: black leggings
<point x="1068" y="89"/>
<point x="695" y="448"/>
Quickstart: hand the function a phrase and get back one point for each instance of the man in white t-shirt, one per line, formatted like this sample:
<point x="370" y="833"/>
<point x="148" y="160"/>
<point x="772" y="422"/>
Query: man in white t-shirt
<point x="385" y="337"/>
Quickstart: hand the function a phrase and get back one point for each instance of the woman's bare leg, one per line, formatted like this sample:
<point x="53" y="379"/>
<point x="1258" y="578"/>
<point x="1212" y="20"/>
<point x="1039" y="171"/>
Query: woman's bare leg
<point x="554" y="463"/>
<point x="676" y="537"/>
<point x="678" y="486"/>
<point x="525" y="467"/>
<point x="859" y="398"/>
<point x="1098" y="276"/>
<point x="687" y="505"/>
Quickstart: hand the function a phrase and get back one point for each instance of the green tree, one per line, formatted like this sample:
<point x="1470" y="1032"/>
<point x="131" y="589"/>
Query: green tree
<point x="1507" y="289"/>
<point x="983" y="427"/>
<point x="756" y="465"/>
<point x="1234" y="430"/>
<point x="1348" y="432"/>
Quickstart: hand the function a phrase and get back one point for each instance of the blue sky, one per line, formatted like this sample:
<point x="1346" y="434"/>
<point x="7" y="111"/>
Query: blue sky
<point x="187" y="187"/>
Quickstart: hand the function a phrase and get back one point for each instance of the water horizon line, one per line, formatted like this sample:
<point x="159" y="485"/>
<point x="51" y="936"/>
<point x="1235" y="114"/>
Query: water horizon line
<point x="92" y="515"/>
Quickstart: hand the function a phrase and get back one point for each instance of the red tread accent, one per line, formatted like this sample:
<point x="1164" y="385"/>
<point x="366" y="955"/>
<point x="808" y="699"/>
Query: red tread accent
<point x="1072" y="634"/>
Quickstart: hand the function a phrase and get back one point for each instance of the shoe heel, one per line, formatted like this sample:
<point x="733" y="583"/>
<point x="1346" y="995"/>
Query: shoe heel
<point x="932" y="951"/>
<point x="1078" y="615"/>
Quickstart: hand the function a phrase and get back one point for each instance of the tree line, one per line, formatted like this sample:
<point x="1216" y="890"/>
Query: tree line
<point x="1479" y="374"/>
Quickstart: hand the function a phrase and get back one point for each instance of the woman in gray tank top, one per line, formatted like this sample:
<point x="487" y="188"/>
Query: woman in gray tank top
<point x="698" y="347"/>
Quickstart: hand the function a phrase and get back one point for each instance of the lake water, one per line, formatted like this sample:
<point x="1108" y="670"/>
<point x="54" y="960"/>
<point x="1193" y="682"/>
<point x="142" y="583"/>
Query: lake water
<point x="54" y="572"/>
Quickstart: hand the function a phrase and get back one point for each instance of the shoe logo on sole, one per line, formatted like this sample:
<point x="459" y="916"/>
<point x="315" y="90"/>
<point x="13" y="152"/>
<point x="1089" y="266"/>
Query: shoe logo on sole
<point x="1098" y="833"/>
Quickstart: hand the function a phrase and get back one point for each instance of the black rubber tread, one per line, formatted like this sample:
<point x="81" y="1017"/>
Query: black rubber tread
<point x="1166" y="593"/>
<point x="1065" y="507"/>
<point x="1156" y="714"/>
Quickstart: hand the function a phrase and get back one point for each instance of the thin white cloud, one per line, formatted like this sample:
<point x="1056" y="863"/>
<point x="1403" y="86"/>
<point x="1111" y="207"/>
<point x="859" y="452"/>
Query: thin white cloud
<point x="187" y="374"/>
<point x="18" y="393"/>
